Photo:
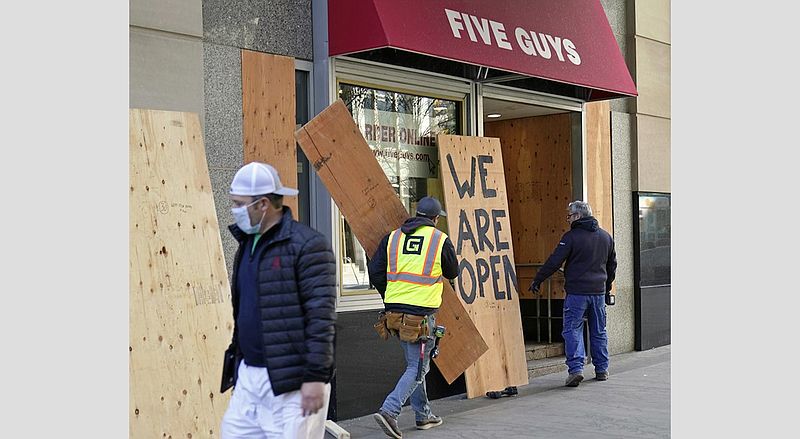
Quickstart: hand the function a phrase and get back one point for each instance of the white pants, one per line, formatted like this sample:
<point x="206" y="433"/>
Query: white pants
<point x="256" y="413"/>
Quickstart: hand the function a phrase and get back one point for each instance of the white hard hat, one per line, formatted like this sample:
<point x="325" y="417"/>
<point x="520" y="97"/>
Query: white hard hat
<point x="257" y="178"/>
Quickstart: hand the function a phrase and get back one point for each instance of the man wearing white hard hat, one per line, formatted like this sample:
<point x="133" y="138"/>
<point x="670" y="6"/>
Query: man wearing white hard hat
<point x="284" y="308"/>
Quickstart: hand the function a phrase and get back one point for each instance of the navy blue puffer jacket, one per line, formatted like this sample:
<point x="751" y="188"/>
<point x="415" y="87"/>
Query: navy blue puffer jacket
<point x="297" y="295"/>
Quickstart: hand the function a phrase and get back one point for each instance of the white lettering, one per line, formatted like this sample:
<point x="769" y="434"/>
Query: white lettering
<point x="455" y="26"/>
<point x="469" y="27"/>
<point x="500" y="35"/>
<point x="572" y="54"/>
<point x="557" y="46"/>
<point x="531" y="42"/>
<point x="524" y="41"/>
<point x="483" y="29"/>
<point x="544" y="49"/>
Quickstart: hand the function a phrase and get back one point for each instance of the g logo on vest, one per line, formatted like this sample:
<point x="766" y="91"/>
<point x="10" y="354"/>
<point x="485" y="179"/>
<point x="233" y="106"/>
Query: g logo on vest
<point x="413" y="245"/>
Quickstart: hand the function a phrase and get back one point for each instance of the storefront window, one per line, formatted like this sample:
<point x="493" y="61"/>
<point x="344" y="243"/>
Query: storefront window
<point x="654" y="239"/>
<point x="401" y="131"/>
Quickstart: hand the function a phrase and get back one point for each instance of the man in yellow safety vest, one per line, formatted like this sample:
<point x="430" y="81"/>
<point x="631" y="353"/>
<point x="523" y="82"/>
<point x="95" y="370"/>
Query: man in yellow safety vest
<point x="408" y="270"/>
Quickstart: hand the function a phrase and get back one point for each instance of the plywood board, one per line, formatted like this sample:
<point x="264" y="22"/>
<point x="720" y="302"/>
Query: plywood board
<point x="537" y="160"/>
<point x="180" y="312"/>
<point x="475" y="190"/>
<point x="337" y="150"/>
<point x="598" y="164"/>
<point x="268" y="111"/>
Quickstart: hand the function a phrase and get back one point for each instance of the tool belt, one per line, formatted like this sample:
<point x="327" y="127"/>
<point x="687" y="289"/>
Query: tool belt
<point x="408" y="327"/>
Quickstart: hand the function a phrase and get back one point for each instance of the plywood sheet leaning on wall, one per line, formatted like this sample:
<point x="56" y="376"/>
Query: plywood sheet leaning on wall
<point x="269" y="113"/>
<point x="475" y="190"/>
<point x="180" y="312"/>
<point x="337" y="150"/>
<point x="538" y="165"/>
<point x="598" y="164"/>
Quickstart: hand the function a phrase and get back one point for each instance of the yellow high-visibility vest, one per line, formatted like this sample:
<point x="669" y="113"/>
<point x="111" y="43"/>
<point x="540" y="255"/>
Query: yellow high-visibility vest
<point x="414" y="271"/>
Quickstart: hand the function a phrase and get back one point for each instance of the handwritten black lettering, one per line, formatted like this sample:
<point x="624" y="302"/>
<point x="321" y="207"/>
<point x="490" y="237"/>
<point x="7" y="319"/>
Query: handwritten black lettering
<point x="465" y="232"/>
<point x="483" y="227"/>
<point x="482" y="159"/>
<point x="498" y="295"/>
<point x="466" y="188"/>
<point x="483" y="273"/>
<point x="510" y="274"/>
<point x="468" y="298"/>
<point x="501" y="245"/>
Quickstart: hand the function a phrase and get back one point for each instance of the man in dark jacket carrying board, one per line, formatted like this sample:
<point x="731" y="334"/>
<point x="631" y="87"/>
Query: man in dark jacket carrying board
<point x="591" y="263"/>
<point x="408" y="270"/>
<point x="284" y="309"/>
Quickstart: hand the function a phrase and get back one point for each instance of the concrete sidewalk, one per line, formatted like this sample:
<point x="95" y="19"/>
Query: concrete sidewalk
<point x="633" y="403"/>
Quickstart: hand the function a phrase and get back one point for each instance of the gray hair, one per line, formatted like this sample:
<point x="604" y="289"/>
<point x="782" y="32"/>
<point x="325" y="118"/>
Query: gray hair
<point x="580" y="207"/>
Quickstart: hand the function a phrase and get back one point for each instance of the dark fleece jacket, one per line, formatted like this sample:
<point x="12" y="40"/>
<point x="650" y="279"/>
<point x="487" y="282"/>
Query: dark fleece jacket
<point x="379" y="263"/>
<point x="591" y="261"/>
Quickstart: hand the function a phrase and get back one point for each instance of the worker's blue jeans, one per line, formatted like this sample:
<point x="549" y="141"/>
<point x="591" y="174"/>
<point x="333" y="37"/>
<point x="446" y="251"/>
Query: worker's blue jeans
<point x="576" y="306"/>
<point x="408" y="386"/>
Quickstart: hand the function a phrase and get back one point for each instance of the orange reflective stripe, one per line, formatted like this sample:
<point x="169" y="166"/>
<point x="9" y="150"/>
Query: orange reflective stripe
<point x="393" y="249"/>
<point x="430" y="257"/>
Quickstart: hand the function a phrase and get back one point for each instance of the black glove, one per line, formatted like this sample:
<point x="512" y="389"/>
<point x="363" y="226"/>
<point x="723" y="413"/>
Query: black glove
<point x="534" y="288"/>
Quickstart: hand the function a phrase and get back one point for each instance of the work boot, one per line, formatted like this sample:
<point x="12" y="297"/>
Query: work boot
<point x="574" y="379"/>
<point x="433" y="421"/>
<point x="601" y="376"/>
<point x="388" y="424"/>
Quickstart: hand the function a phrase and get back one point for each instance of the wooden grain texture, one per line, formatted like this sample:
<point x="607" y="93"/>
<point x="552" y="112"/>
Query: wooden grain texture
<point x="537" y="159"/>
<point x="598" y="165"/>
<point x="180" y="313"/>
<point x="493" y="302"/>
<point x="268" y="115"/>
<point x="337" y="150"/>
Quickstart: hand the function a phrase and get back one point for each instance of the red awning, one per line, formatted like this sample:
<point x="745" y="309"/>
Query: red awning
<point x="568" y="41"/>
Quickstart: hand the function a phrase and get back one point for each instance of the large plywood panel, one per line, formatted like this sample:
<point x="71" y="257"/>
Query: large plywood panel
<point x="654" y="152"/>
<point x="475" y="190"/>
<point x="598" y="164"/>
<point x="348" y="168"/>
<point x="537" y="160"/>
<point x="653" y="77"/>
<point x="180" y="314"/>
<point x="268" y="108"/>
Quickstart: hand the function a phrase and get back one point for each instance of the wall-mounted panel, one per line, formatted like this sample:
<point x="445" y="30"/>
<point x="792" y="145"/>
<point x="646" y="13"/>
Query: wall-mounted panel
<point x="269" y="113"/>
<point x="653" y="77"/>
<point x="654" y="140"/>
<point x="653" y="19"/>
<point x="166" y="73"/>
<point x="176" y="16"/>
<point x="598" y="163"/>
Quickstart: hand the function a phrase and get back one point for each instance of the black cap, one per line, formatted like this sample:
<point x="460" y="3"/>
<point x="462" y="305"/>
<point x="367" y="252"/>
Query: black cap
<point x="429" y="207"/>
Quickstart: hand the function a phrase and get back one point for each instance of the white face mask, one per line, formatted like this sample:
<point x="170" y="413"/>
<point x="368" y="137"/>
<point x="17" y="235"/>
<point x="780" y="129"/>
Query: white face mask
<point x="243" y="219"/>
